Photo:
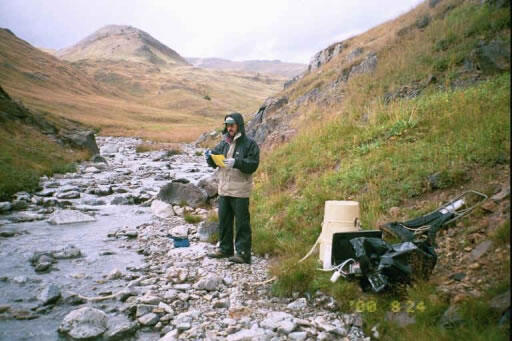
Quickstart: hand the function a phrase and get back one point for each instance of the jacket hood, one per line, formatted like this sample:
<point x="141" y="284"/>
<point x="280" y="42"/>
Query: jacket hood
<point x="239" y="120"/>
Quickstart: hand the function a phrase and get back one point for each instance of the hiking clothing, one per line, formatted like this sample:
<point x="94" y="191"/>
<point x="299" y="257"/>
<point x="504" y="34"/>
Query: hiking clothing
<point x="237" y="208"/>
<point x="235" y="184"/>
<point x="237" y="181"/>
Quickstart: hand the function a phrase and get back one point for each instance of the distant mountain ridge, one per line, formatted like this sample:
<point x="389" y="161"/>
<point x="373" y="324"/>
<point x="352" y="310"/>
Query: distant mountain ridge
<point x="276" y="67"/>
<point x="120" y="42"/>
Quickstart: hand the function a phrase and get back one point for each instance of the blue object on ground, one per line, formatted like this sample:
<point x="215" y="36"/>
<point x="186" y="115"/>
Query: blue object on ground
<point x="181" y="242"/>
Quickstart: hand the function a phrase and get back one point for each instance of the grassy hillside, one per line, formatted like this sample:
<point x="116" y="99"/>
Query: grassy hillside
<point x="26" y="153"/>
<point x="380" y="152"/>
<point x="163" y="103"/>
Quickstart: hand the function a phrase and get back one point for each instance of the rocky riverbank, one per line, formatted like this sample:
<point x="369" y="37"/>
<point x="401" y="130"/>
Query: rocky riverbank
<point x="93" y="255"/>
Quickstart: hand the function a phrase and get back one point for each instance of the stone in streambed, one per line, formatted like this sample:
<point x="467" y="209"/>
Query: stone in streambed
<point x="64" y="216"/>
<point x="161" y="209"/>
<point x="84" y="323"/>
<point x="177" y="193"/>
<point x="50" y="294"/>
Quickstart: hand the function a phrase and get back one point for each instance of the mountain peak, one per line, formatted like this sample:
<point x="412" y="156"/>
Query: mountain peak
<point x="122" y="42"/>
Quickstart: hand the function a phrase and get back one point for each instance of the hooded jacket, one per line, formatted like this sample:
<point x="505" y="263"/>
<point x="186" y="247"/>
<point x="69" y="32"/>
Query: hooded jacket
<point x="237" y="181"/>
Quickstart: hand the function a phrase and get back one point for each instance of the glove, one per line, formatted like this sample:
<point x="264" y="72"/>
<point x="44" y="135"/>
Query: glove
<point x="207" y="154"/>
<point x="229" y="163"/>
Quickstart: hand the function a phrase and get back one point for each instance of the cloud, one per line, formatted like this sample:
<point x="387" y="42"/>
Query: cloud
<point x="239" y="30"/>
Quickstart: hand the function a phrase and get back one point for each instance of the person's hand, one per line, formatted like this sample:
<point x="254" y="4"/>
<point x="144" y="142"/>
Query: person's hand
<point x="229" y="163"/>
<point x="207" y="154"/>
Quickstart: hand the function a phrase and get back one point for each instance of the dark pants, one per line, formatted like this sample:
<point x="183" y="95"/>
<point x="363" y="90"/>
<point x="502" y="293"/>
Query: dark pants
<point x="237" y="208"/>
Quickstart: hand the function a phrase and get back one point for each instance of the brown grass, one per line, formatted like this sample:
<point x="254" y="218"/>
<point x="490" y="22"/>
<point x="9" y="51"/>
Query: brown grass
<point x="127" y="98"/>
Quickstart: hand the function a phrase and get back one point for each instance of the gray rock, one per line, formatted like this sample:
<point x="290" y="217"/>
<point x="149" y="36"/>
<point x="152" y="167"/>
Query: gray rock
<point x="92" y="169"/>
<point x="50" y="294"/>
<point x="60" y="217"/>
<point x="210" y="185"/>
<point x="47" y="192"/>
<point x="94" y="202"/>
<point x="170" y="336"/>
<point x="120" y="328"/>
<point x="149" y="319"/>
<point x="67" y="252"/>
<point x="273" y="319"/>
<point x="162" y="209"/>
<point x="298" y="336"/>
<point x="480" y="250"/>
<point x="98" y="159"/>
<point x="84" y="323"/>
<point x="492" y="56"/>
<point x="423" y="21"/>
<point x="287" y="326"/>
<point x="178" y="193"/>
<point x="210" y="282"/>
<point x="207" y="229"/>
<point x="5" y="206"/>
<point x="82" y="139"/>
<point x="144" y="309"/>
<point x="120" y="200"/>
<point x="102" y="190"/>
<point x="324" y="56"/>
<point x="252" y="334"/>
<point x="68" y="195"/>
<point x="298" y="304"/>
<point x="180" y="231"/>
<point x="109" y="149"/>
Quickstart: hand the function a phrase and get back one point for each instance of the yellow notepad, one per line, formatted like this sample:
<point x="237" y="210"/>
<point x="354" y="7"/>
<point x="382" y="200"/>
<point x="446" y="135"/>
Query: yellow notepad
<point x="219" y="160"/>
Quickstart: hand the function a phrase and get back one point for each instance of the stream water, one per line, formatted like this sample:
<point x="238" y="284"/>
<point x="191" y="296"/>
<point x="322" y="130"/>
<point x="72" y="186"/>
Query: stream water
<point x="132" y="177"/>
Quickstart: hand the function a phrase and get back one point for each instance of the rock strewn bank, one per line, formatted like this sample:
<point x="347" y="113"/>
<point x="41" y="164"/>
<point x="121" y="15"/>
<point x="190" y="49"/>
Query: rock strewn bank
<point x="94" y="288"/>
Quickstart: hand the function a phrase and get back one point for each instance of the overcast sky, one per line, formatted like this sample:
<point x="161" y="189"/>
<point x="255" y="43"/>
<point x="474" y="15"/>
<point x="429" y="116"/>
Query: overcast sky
<point x="289" y="30"/>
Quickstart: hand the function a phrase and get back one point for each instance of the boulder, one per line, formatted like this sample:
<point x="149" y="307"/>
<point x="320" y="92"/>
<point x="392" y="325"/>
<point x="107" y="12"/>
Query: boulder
<point x="178" y="193"/>
<point x="60" y="217"/>
<point x="210" y="185"/>
<point x="161" y="209"/>
<point x="120" y="328"/>
<point x="84" y="323"/>
<point x="50" y="294"/>
<point x="82" y="139"/>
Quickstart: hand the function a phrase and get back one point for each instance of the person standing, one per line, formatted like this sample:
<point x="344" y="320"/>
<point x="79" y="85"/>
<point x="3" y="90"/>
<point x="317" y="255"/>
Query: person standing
<point x="235" y="184"/>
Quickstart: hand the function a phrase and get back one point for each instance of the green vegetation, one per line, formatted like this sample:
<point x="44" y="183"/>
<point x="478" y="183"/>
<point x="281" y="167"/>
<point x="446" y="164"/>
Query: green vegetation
<point x="26" y="154"/>
<point x="192" y="218"/>
<point x="381" y="154"/>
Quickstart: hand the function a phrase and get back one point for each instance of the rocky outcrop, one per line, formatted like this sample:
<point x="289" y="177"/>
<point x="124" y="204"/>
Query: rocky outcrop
<point x="324" y="56"/>
<point x="261" y="125"/>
